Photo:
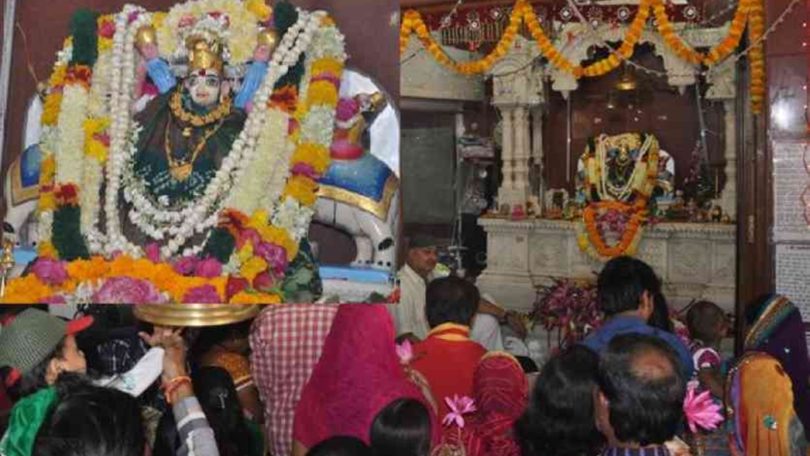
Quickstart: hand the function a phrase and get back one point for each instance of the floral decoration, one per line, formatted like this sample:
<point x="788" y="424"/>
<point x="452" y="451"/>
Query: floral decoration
<point x="570" y="308"/>
<point x="252" y="234"/>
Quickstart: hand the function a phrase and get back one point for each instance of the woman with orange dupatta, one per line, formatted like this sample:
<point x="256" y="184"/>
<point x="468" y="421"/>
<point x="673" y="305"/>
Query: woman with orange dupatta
<point x="501" y="393"/>
<point x="768" y="389"/>
<point x="358" y="375"/>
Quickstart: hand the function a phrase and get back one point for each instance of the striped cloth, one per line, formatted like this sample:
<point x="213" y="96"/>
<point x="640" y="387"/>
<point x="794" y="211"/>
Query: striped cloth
<point x="286" y="342"/>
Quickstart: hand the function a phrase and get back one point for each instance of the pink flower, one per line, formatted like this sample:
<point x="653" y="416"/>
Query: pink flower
<point x="126" y="290"/>
<point x="208" y="267"/>
<point x="249" y="235"/>
<point x="50" y="271"/>
<point x="347" y="108"/>
<point x="405" y="351"/>
<point x="263" y="281"/>
<point x="204" y="294"/>
<point x="700" y="410"/>
<point x="107" y="29"/>
<point x="133" y="16"/>
<point x="274" y="255"/>
<point x="235" y="285"/>
<point x="55" y="299"/>
<point x="305" y="169"/>
<point x="186" y="21"/>
<point x="186" y="265"/>
<point x="152" y="251"/>
<point x="459" y="406"/>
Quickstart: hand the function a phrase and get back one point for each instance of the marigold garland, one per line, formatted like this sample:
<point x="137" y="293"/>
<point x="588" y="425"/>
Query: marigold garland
<point x="592" y="239"/>
<point x="748" y="12"/>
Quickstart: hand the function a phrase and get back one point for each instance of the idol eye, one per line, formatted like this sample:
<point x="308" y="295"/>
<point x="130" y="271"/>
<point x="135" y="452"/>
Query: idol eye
<point x="211" y="81"/>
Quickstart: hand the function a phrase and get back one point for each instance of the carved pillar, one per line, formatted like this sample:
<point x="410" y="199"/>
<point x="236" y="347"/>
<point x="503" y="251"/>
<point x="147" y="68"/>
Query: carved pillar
<point x="521" y="154"/>
<point x="728" y="198"/>
<point x="507" y="156"/>
<point x="537" y="189"/>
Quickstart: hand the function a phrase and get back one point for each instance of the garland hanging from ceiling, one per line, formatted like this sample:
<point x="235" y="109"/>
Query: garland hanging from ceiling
<point x="748" y="13"/>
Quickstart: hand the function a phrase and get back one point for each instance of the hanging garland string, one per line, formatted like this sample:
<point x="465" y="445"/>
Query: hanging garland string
<point x="748" y="13"/>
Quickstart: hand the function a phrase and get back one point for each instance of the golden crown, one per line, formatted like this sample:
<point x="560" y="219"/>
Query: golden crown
<point x="203" y="55"/>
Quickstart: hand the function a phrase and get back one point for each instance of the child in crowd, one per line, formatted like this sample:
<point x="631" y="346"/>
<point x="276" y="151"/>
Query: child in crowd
<point x="708" y="325"/>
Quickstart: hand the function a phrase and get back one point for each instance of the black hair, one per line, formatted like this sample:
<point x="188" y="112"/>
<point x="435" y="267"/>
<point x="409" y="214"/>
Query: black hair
<point x="211" y="336"/>
<point x="622" y="282"/>
<point x="341" y="445"/>
<point x="645" y="405"/>
<point x="34" y="379"/>
<point x="559" y="420"/>
<point x="401" y="428"/>
<point x="91" y="421"/>
<point x="451" y="300"/>
<point x="214" y="389"/>
<point x="754" y="310"/>
<point x="660" y="314"/>
<point x="703" y="319"/>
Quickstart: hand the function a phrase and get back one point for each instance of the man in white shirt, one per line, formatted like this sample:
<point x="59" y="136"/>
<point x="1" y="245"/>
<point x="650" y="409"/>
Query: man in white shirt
<point x="409" y="314"/>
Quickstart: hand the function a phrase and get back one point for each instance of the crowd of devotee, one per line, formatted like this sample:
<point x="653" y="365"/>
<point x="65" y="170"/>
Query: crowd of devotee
<point x="427" y="376"/>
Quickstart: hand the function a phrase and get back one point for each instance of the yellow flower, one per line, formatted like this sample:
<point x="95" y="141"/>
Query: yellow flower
<point x="83" y="270"/>
<point x="51" y="107"/>
<point x="322" y="93"/>
<point x="245" y="297"/>
<point x="259" y="9"/>
<point x="47" y="170"/>
<point x="26" y="290"/>
<point x="327" y="65"/>
<point x="93" y="146"/>
<point x="46" y="249"/>
<point x="302" y="189"/>
<point x="157" y="19"/>
<point x="314" y="155"/>
<point x="253" y="267"/>
<point x="57" y="76"/>
<point x="47" y="202"/>
<point x="245" y="253"/>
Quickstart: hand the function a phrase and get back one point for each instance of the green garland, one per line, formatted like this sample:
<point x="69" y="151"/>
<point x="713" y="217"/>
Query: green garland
<point x="83" y="28"/>
<point x="284" y="16"/>
<point x="67" y="237"/>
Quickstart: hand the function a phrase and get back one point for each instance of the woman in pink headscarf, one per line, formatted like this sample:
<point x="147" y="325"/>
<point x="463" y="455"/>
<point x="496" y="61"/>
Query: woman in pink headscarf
<point x="501" y="392"/>
<point x="358" y="375"/>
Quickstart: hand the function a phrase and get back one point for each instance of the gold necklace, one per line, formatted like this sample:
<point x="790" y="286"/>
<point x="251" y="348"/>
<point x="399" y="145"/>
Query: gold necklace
<point x="195" y="120"/>
<point x="181" y="169"/>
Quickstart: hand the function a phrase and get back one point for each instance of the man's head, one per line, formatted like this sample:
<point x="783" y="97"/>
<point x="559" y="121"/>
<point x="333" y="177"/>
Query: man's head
<point x="641" y="389"/>
<point x="627" y="285"/>
<point x="707" y="322"/>
<point x="422" y="254"/>
<point x="451" y="300"/>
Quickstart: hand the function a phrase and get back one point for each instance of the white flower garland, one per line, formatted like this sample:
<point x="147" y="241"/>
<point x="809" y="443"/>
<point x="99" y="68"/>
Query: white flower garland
<point x="70" y="147"/>
<point x="272" y="154"/>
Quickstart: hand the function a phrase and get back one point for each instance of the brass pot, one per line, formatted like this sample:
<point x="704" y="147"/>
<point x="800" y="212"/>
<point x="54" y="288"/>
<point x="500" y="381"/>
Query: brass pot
<point x="195" y="315"/>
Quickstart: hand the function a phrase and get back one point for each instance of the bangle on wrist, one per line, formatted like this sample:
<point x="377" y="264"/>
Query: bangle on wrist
<point x="170" y="387"/>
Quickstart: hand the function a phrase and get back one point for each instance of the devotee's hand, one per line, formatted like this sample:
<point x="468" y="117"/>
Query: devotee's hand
<point x="174" y="357"/>
<point x="678" y="447"/>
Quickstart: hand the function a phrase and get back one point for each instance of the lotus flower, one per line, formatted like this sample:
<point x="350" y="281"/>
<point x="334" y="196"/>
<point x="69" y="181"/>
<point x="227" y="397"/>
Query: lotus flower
<point x="700" y="410"/>
<point x="50" y="271"/>
<point x="405" y="352"/>
<point x="459" y="406"/>
<point x="126" y="290"/>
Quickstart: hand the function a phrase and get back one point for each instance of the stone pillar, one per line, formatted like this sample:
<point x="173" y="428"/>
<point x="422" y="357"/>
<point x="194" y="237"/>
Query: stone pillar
<point x="728" y="198"/>
<point x="506" y="190"/>
<point x="521" y="154"/>
<point x="537" y="190"/>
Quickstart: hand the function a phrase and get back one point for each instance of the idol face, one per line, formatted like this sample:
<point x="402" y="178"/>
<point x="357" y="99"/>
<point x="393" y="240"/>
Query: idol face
<point x="204" y="87"/>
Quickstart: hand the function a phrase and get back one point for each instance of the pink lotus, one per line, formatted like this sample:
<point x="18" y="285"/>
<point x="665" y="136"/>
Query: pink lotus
<point x="274" y="255"/>
<point x="405" y="352"/>
<point x="186" y="265"/>
<point x="700" y="410"/>
<point x="459" y="406"/>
